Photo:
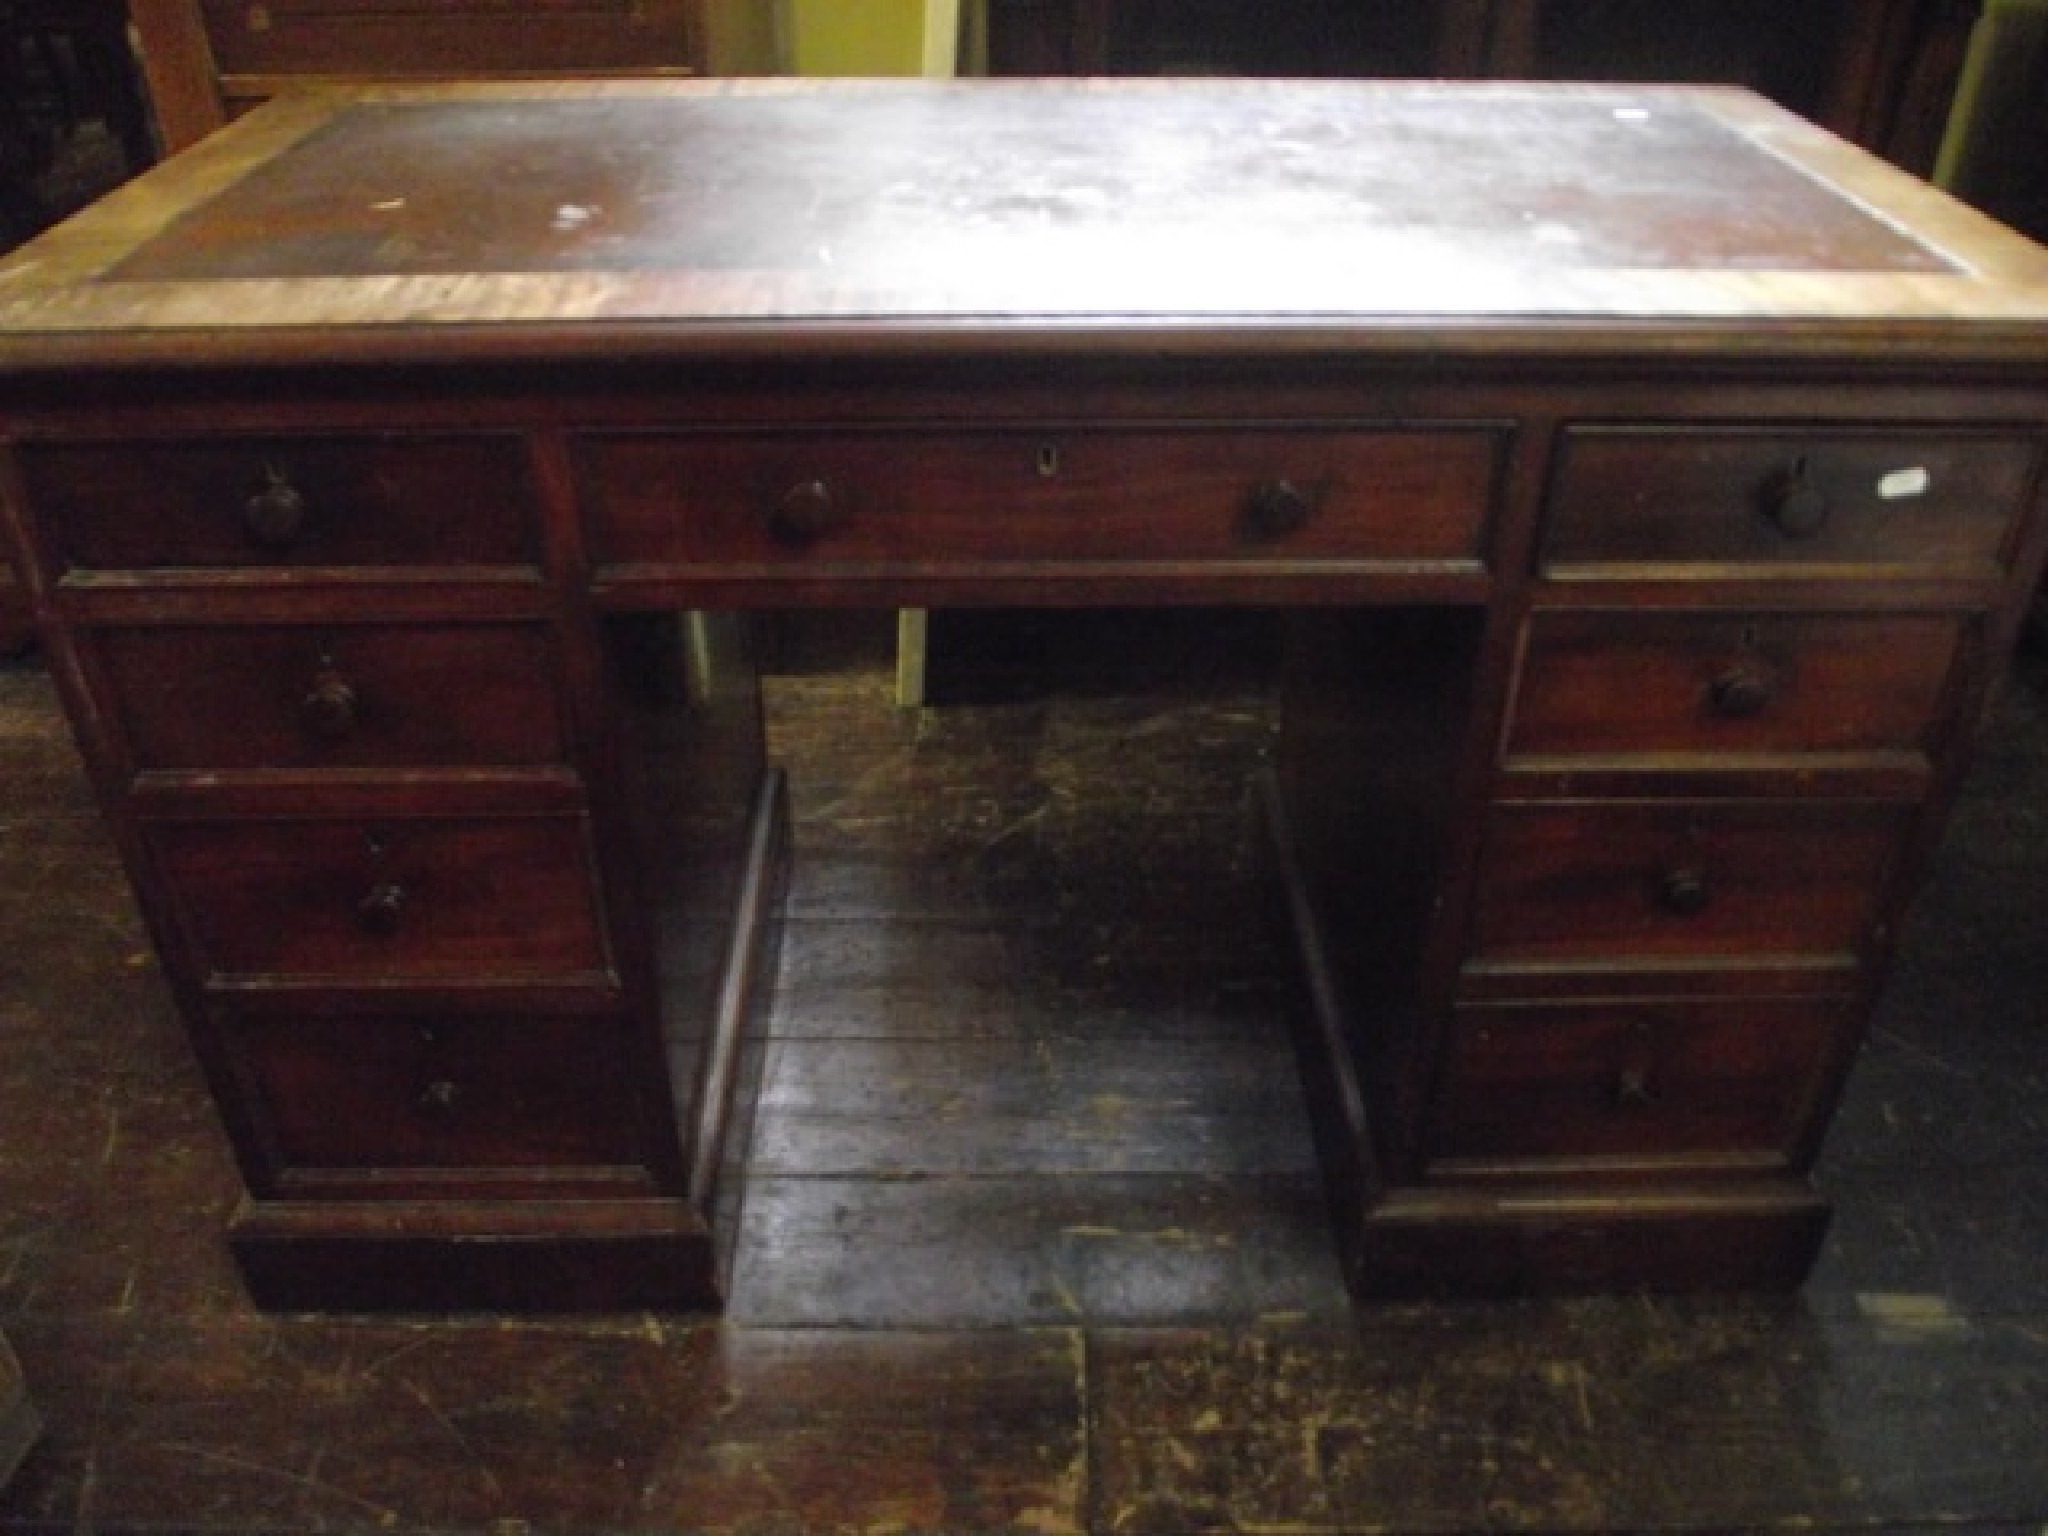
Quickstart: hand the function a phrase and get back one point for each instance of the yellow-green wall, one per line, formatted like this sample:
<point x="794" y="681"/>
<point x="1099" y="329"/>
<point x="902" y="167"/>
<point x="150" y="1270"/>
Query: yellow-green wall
<point x="833" y="37"/>
<point x="872" y="37"/>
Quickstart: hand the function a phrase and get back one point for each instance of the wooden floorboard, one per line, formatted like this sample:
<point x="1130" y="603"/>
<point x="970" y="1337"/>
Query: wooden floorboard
<point x="993" y="1253"/>
<point x="896" y="1108"/>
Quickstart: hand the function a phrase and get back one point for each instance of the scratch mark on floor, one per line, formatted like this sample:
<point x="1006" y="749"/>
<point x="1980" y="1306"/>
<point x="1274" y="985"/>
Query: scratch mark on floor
<point x="454" y="1432"/>
<point x="385" y="1515"/>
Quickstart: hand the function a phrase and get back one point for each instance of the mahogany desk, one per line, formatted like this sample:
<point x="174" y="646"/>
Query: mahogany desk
<point x="1654" y="484"/>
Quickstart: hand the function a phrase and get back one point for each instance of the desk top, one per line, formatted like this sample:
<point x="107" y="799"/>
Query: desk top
<point x="654" y="217"/>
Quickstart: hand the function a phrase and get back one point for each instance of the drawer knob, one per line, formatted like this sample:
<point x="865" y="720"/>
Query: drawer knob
<point x="1635" y="1083"/>
<point x="1275" y="509"/>
<point x="276" y="515"/>
<point x="1742" y="692"/>
<point x="1683" y="891"/>
<point x="807" y="512"/>
<point x="1794" y="503"/>
<point x="438" y="1097"/>
<point x="328" y="710"/>
<point x="381" y="908"/>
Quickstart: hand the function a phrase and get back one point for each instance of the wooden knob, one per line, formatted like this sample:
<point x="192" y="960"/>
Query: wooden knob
<point x="1635" y="1079"/>
<point x="1275" y="509"/>
<point x="328" y="711"/>
<point x="807" y="512"/>
<point x="276" y="515"/>
<point x="381" y="908"/>
<point x="439" y="1096"/>
<point x="1683" y="891"/>
<point x="1794" y="503"/>
<point x="1742" y="691"/>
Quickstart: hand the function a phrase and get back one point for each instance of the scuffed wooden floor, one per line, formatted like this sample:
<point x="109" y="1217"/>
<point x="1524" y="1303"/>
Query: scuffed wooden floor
<point x="1032" y="1239"/>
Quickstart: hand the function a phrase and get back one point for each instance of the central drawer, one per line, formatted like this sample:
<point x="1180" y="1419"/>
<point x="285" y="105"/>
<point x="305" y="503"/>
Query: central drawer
<point x="399" y="900"/>
<point x="918" y="498"/>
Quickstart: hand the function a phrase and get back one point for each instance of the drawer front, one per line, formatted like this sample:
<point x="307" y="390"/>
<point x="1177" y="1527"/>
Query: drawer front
<point x="243" y="698"/>
<point x="909" y="499"/>
<point x="394" y="901"/>
<point x="485" y="1092"/>
<point x="452" y="39"/>
<point x="1733" y="1079"/>
<point x="290" y="502"/>
<point x="1676" y="497"/>
<point x="1632" y="881"/>
<point x="1615" y="683"/>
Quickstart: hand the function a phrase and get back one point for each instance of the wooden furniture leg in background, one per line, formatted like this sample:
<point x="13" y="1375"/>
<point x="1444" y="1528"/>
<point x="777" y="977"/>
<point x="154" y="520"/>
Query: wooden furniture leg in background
<point x="20" y="1424"/>
<point x="17" y="631"/>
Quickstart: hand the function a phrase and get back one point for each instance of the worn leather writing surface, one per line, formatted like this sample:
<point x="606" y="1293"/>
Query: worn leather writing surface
<point x="825" y="186"/>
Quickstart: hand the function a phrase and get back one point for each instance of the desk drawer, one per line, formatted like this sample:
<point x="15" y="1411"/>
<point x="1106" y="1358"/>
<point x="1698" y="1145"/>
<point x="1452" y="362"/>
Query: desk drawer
<point x="226" y="699"/>
<point x="395" y="901"/>
<point x="1944" y="504"/>
<point x="283" y="501"/>
<point x="1614" y="683"/>
<point x="489" y="1093"/>
<point x="907" y="499"/>
<point x="1603" y="883"/>
<point x="1732" y="1079"/>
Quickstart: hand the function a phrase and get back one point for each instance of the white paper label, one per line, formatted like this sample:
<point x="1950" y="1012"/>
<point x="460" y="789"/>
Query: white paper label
<point x="1904" y="484"/>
